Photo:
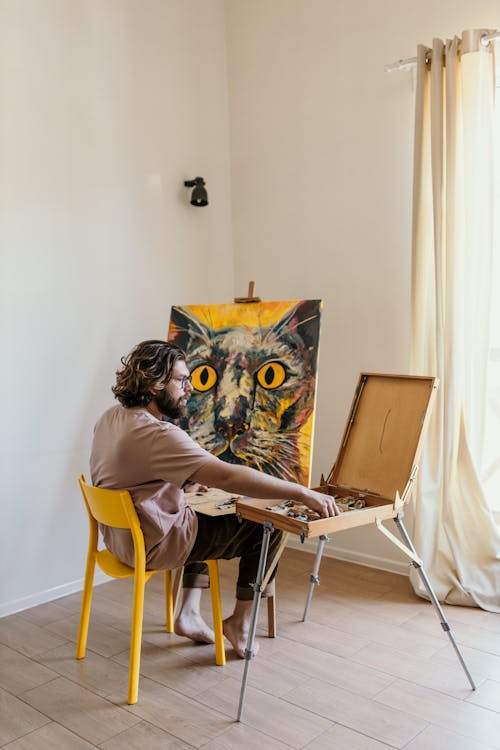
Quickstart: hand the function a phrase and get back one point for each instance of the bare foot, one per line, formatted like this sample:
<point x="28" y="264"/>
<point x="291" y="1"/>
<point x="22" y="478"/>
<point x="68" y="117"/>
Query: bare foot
<point x="192" y="625"/>
<point x="238" y="636"/>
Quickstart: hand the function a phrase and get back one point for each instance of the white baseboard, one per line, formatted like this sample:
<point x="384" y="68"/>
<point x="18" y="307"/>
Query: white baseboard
<point x="359" y="558"/>
<point x="50" y="595"/>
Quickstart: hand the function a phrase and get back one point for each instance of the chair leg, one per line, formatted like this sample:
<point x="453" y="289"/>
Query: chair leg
<point x="220" y="653"/>
<point x="136" y="636"/>
<point x="83" y="629"/>
<point x="169" y="602"/>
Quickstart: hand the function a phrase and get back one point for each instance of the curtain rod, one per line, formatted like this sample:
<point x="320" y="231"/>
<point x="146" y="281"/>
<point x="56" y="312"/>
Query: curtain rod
<point x="410" y="62"/>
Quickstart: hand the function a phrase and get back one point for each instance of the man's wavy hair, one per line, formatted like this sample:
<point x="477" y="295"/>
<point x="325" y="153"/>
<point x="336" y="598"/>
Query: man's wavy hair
<point x="149" y="363"/>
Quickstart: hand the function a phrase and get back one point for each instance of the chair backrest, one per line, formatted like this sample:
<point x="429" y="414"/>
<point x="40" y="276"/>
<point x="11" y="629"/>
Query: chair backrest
<point x="110" y="507"/>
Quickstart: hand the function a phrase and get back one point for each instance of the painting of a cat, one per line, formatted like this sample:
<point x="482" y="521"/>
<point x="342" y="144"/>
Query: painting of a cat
<point x="253" y="369"/>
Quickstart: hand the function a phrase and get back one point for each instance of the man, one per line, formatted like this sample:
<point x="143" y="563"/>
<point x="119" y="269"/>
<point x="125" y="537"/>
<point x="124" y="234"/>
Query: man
<point x="135" y="449"/>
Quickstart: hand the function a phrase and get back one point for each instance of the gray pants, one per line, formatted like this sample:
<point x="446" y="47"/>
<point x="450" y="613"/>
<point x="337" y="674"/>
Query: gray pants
<point x="225" y="537"/>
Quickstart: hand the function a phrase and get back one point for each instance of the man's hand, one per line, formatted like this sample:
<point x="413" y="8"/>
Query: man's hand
<point x="323" y="504"/>
<point x="195" y="487"/>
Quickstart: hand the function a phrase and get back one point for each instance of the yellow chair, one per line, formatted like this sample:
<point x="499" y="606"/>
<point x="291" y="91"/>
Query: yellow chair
<point x="116" y="508"/>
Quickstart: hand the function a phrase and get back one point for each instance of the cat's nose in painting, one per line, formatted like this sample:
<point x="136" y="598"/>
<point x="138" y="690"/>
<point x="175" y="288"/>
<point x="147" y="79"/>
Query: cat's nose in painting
<point x="230" y="429"/>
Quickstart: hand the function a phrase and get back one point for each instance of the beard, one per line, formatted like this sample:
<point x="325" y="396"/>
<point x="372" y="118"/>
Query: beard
<point x="170" y="407"/>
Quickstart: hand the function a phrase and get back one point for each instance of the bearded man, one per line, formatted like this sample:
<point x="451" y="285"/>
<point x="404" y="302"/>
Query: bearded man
<point x="134" y="448"/>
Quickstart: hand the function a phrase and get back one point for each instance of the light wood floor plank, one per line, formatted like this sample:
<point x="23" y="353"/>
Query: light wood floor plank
<point x="44" y="614"/>
<point x="457" y="716"/>
<point x="473" y="616"/>
<point x="18" y="673"/>
<point x="487" y="695"/>
<point x="50" y="737"/>
<point x="270" y="675"/>
<point x="242" y="737"/>
<point x="383" y="723"/>
<point x="29" y="639"/>
<point x="339" y="671"/>
<point x="360" y="590"/>
<point x="95" y="673"/>
<point x="104" y="639"/>
<point x="426" y="672"/>
<point x="144" y="736"/>
<point x="71" y="603"/>
<point x="178" y="715"/>
<point x="88" y="715"/>
<point x="466" y="634"/>
<point x="342" y="738"/>
<point x="400" y="608"/>
<point x="481" y="664"/>
<point x="330" y="640"/>
<point x="17" y="718"/>
<point x="436" y="738"/>
<point x="401" y="638"/>
<point x="168" y="668"/>
<point x="277" y="718"/>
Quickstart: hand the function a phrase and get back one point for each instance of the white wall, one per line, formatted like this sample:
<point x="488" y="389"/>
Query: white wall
<point x="321" y="160"/>
<point x="105" y="109"/>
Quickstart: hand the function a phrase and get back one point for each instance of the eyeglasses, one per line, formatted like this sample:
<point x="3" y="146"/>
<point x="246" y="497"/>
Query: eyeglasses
<point x="183" y="381"/>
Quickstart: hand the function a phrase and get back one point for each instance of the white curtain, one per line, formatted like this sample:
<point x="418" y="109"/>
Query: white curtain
<point x="454" y="531"/>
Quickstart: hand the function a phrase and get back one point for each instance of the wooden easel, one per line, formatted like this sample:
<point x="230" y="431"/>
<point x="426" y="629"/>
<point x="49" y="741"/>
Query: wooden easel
<point x="250" y="298"/>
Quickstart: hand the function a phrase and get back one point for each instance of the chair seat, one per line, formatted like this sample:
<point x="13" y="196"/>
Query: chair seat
<point x="110" y="565"/>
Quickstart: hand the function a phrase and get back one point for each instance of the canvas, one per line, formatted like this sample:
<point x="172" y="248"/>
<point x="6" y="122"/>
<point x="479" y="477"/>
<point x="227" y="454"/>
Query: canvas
<point x="254" y="371"/>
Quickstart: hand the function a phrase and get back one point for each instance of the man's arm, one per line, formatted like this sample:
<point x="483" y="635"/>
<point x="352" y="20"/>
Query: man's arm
<point x="246" y="481"/>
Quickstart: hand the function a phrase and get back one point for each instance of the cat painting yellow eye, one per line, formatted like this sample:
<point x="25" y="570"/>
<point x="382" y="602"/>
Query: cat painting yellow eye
<point x="203" y="378"/>
<point x="271" y="375"/>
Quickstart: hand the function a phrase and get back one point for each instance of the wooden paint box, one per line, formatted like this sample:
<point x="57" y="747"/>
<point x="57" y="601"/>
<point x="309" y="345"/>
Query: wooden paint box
<point x="378" y="457"/>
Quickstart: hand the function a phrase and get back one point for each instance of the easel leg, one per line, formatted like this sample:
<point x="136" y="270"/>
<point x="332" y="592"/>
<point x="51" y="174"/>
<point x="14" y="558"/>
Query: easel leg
<point x="268" y="528"/>
<point x="444" y="622"/>
<point x="314" y="575"/>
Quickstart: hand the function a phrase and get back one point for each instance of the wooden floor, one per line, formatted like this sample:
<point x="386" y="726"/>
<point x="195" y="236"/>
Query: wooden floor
<point x="371" y="669"/>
